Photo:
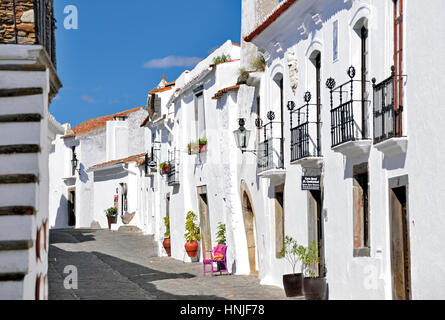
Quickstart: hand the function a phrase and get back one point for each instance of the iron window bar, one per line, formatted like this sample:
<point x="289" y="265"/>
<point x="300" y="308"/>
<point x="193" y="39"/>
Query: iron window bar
<point x="172" y="174"/>
<point x="343" y="121"/>
<point x="266" y="149"/>
<point x="301" y="133"/>
<point x="387" y="116"/>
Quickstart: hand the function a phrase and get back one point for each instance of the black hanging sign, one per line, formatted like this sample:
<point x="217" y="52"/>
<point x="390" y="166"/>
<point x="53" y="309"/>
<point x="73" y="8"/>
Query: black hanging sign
<point x="311" y="183"/>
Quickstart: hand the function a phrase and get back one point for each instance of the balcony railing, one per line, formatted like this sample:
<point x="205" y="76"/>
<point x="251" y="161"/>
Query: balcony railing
<point x="387" y="118"/>
<point x="348" y="115"/>
<point x="43" y="32"/>
<point x="45" y="26"/>
<point x="172" y="176"/>
<point x="173" y="173"/>
<point x="305" y="136"/>
<point x="270" y="150"/>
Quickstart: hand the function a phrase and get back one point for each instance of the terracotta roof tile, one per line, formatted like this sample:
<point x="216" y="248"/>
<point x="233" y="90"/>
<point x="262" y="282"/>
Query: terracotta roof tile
<point x="97" y="123"/>
<point x="160" y="90"/>
<point x="221" y="92"/>
<point x="136" y="158"/>
<point x="272" y="17"/>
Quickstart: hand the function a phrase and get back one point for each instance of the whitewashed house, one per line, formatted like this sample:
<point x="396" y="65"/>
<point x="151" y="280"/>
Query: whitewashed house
<point x="198" y="178"/>
<point x="96" y="167"/>
<point x="28" y="83"/>
<point x="354" y="165"/>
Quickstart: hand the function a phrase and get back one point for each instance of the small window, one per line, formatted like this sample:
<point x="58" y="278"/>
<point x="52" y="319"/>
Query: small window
<point x="361" y="211"/>
<point x="335" y="41"/>
<point x="200" y="124"/>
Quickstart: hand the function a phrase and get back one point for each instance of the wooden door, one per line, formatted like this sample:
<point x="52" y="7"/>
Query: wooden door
<point x="249" y="224"/>
<point x="315" y="223"/>
<point x="279" y="220"/>
<point x="400" y="251"/>
<point x="206" y="241"/>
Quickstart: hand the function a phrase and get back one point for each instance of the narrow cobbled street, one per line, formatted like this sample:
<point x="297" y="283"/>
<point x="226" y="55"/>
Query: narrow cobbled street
<point x="124" y="266"/>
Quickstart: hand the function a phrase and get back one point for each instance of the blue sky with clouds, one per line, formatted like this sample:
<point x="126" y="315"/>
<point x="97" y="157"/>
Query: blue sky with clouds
<point x="121" y="49"/>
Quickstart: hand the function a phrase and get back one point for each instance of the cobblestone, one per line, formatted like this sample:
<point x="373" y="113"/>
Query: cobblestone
<point x="120" y="265"/>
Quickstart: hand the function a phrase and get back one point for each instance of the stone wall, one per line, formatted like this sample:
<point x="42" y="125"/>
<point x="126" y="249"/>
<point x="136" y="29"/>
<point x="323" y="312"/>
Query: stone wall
<point x="24" y="22"/>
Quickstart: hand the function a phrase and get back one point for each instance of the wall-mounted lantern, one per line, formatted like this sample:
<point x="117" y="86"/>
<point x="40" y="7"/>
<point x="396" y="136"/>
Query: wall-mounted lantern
<point x="242" y="136"/>
<point x="75" y="163"/>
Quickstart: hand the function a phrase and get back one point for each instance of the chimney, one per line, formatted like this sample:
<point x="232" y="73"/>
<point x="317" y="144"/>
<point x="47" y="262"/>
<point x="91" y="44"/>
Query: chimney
<point x="253" y="12"/>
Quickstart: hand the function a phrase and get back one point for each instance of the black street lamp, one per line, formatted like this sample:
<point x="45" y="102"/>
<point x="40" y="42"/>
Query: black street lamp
<point x="75" y="163"/>
<point x="242" y="136"/>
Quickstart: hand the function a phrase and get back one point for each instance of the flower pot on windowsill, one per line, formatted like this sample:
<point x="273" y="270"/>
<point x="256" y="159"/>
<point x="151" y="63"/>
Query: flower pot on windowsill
<point x="167" y="246"/>
<point x="293" y="285"/>
<point x="202" y="148"/>
<point x="314" y="288"/>
<point x="191" y="247"/>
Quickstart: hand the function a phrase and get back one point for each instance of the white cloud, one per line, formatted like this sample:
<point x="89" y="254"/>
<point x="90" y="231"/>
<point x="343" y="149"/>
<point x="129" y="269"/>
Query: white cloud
<point x="171" y="61"/>
<point x="88" y="98"/>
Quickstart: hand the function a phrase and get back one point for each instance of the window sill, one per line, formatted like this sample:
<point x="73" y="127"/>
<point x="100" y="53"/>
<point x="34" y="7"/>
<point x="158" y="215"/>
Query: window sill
<point x="362" y="253"/>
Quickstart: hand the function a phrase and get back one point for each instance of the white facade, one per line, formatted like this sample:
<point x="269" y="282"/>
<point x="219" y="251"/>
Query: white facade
<point x="107" y="150"/>
<point x="304" y="30"/>
<point x="28" y="81"/>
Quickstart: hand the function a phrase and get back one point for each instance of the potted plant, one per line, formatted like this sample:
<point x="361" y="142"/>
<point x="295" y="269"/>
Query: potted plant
<point x="111" y="214"/>
<point x="221" y="233"/>
<point x="167" y="243"/>
<point x="189" y="148"/>
<point x="314" y="287"/>
<point x="292" y="252"/>
<point x="202" y="144"/>
<point x="192" y="234"/>
<point x="164" y="167"/>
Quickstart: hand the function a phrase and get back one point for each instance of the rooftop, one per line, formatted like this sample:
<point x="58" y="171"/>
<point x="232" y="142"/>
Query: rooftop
<point x="97" y="123"/>
<point x="283" y="7"/>
<point x="139" y="159"/>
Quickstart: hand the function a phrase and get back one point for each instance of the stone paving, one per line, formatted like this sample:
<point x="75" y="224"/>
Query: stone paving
<point x="124" y="266"/>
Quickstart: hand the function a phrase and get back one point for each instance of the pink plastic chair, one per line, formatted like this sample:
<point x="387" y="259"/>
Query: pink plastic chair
<point x="218" y="250"/>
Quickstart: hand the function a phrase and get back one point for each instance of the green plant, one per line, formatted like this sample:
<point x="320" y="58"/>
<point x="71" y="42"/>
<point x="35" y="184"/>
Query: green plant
<point x="221" y="233"/>
<point x="292" y="252"/>
<point x="202" y="141"/>
<point x="167" y="226"/>
<point x="193" y="147"/>
<point x="310" y="259"/>
<point x="258" y="63"/>
<point x="111" y="212"/>
<point x="193" y="233"/>
<point x="221" y="59"/>
<point x="242" y="71"/>
<point x="162" y="165"/>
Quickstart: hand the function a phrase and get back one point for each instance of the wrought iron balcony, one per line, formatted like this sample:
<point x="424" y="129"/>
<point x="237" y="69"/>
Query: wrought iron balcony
<point x="387" y="116"/>
<point x="270" y="150"/>
<point x="305" y="134"/>
<point x="43" y="32"/>
<point x="173" y="173"/>
<point x="349" y="116"/>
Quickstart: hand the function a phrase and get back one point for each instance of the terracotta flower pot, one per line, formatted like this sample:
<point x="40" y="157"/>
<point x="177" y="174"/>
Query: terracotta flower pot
<point x="192" y="248"/>
<point x="167" y="245"/>
<point x="314" y="288"/>
<point x="111" y="220"/>
<point x="293" y="284"/>
<point x="202" y="148"/>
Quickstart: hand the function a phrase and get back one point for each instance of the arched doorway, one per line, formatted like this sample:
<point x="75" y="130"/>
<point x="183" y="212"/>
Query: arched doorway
<point x="249" y="225"/>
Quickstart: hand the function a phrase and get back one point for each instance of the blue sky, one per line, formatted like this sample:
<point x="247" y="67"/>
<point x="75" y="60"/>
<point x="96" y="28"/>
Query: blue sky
<point x="116" y="55"/>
